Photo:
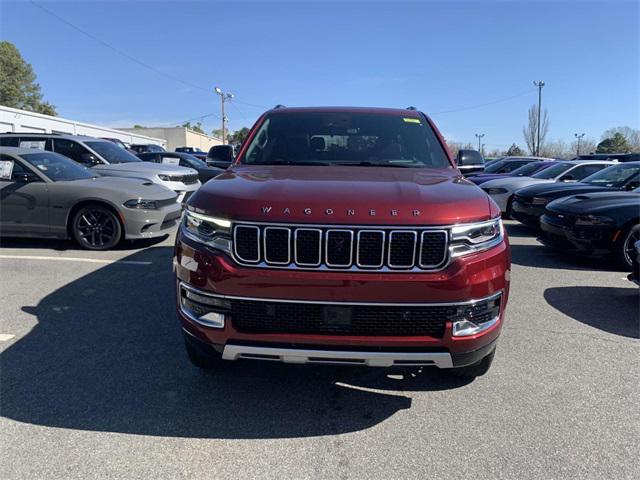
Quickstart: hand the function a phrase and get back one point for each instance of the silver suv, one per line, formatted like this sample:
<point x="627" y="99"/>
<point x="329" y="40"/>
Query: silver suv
<point x="109" y="159"/>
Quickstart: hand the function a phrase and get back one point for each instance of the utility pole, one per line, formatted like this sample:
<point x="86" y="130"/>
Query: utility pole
<point x="579" y="137"/>
<point x="224" y="97"/>
<point x="539" y="84"/>
<point x="479" y="137"/>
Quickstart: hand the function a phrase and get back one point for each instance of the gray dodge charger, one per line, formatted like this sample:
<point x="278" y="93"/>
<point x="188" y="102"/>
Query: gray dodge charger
<point x="44" y="194"/>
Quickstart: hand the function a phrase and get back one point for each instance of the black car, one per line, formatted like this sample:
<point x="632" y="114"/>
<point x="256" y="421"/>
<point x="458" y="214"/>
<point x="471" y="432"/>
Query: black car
<point x="144" y="148"/>
<point x="595" y="223"/>
<point x="622" y="177"/>
<point x="205" y="172"/>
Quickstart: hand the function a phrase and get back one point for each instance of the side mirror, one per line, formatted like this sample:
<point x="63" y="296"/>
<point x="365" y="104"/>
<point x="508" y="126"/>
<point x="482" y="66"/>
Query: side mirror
<point x="469" y="162"/>
<point x="27" y="177"/>
<point x="89" y="159"/>
<point x="220" y="156"/>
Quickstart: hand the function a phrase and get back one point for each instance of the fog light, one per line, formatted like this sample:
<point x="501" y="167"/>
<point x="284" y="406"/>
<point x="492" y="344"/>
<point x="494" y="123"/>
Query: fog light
<point x="203" y="309"/>
<point x="464" y="328"/>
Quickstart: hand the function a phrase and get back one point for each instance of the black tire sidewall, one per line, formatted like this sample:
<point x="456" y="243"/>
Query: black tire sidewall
<point x="74" y="227"/>
<point x="619" y="253"/>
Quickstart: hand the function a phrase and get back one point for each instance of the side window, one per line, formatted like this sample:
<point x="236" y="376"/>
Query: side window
<point x="71" y="149"/>
<point x="41" y="143"/>
<point x="18" y="172"/>
<point x="511" y="166"/>
<point x="8" y="141"/>
<point x="584" y="171"/>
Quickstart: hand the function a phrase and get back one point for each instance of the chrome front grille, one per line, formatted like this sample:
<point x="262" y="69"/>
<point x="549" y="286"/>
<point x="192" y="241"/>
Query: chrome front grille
<point x="322" y="247"/>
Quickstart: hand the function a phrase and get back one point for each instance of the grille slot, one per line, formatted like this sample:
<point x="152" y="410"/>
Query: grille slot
<point x="339" y="248"/>
<point x="328" y="248"/>
<point x="433" y="249"/>
<point x="277" y="245"/>
<point x="402" y="249"/>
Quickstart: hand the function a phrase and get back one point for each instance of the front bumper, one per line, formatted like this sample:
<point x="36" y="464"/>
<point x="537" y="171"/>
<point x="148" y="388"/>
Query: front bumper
<point x="473" y="277"/>
<point x="526" y="213"/>
<point x="562" y="234"/>
<point x="140" y="224"/>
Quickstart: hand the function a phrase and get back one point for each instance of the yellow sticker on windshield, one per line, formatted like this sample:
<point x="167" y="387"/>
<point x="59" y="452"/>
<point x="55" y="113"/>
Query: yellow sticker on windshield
<point x="411" y="120"/>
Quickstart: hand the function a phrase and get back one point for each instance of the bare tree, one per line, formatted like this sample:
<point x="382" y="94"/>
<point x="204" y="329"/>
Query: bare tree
<point x="455" y="146"/>
<point x="555" y="149"/>
<point x="530" y="132"/>
<point x="632" y="135"/>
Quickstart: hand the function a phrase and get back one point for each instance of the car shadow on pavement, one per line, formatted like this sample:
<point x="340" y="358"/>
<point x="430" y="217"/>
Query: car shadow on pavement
<point x="60" y="245"/>
<point x="613" y="310"/>
<point x="107" y="355"/>
<point x="515" y="229"/>
<point x="540" y="256"/>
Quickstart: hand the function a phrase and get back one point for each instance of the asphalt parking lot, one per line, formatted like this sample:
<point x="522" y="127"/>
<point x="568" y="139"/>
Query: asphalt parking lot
<point x="95" y="383"/>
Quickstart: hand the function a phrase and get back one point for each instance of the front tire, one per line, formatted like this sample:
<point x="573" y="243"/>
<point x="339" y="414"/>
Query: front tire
<point x="475" y="370"/>
<point x="624" y="247"/>
<point x="96" y="227"/>
<point x="200" y="354"/>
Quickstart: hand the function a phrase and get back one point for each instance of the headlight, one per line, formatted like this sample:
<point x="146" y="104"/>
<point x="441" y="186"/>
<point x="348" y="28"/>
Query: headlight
<point x="594" y="220"/>
<point x="141" y="204"/>
<point x="539" y="201"/>
<point x="212" y="231"/>
<point x="495" y="191"/>
<point x="475" y="237"/>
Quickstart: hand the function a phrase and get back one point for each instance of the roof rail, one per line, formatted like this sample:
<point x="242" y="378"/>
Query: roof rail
<point x="278" y="106"/>
<point x="412" y="108"/>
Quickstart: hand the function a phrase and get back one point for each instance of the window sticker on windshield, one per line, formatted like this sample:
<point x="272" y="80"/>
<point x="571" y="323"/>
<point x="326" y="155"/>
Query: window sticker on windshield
<point x="170" y="161"/>
<point x="32" y="144"/>
<point x="6" y="169"/>
<point x="411" y="120"/>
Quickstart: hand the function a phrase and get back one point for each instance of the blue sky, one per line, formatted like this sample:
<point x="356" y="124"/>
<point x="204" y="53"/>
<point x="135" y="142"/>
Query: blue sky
<point x="443" y="57"/>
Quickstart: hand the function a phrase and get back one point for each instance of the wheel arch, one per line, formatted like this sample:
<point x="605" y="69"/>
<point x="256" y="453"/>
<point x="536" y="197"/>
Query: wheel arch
<point x="93" y="201"/>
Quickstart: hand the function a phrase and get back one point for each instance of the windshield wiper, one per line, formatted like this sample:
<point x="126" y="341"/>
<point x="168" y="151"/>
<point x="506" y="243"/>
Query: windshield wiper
<point x="290" y="162"/>
<point x="374" y="164"/>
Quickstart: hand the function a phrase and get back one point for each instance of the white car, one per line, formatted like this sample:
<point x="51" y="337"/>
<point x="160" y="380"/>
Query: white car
<point x="501" y="190"/>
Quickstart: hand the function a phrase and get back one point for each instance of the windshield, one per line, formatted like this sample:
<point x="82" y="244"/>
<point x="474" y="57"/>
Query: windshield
<point x="553" y="172"/>
<point x="615" y="176"/>
<point x="527" y="170"/>
<point x="57" y="167"/>
<point x="112" y="153"/>
<point x="495" y="166"/>
<point x="339" y="138"/>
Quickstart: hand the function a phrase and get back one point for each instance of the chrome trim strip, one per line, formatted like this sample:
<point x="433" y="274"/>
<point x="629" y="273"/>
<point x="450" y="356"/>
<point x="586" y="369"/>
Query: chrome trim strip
<point x="295" y="247"/>
<point x="328" y="302"/>
<point x="382" y="232"/>
<point x="370" y="359"/>
<point x="264" y="240"/>
<point x="188" y="314"/>
<point x="445" y="257"/>
<point x="326" y="248"/>
<point x="235" y="252"/>
<point x="415" y="240"/>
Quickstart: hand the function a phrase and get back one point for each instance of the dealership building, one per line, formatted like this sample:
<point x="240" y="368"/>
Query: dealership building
<point x="13" y="120"/>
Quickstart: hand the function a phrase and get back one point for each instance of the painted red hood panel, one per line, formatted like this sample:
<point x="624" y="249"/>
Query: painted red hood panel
<point x="342" y="195"/>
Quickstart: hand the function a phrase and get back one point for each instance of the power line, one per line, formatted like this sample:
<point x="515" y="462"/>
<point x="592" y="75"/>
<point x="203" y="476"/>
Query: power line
<point x="528" y="91"/>
<point x="128" y="56"/>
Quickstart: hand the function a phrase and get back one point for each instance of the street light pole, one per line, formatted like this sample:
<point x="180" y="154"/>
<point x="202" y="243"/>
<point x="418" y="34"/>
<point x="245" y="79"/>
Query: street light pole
<point x="479" y="137"/>
<point x="579" y="137"/>
<point x="539" y="84"/>
<point x="224" y="97"/>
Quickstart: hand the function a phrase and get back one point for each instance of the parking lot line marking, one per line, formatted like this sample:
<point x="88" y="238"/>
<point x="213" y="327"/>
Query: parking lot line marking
<point x="5" y="336"/>
<point x="73" y="259"/>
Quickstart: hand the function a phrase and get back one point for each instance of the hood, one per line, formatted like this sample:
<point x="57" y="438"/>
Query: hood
<point x="148" y="168"/>
<point x="594" y="203"/>
<point x="560" y="189"/>
<point x="513" y="183"/>
<point x="343" y="195"/>
<point x="128" y="187"/>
